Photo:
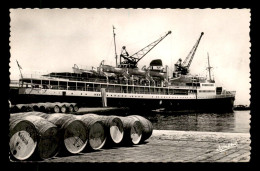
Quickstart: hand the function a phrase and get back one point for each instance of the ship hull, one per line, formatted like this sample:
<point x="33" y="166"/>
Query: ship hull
<point x="210" y="104"/>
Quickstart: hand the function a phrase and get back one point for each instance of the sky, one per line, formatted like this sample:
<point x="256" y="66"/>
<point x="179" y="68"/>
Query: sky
<point x="53" y="40"/>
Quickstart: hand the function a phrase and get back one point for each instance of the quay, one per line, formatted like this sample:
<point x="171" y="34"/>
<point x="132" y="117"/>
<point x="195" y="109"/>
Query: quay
<point x="171" y="146"/>
<point x="165" y="146"/>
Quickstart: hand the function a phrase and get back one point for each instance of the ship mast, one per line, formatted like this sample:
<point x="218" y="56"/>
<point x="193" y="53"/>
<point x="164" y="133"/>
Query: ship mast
<point x="115" y="44"/>
<point x="209" y="68"/>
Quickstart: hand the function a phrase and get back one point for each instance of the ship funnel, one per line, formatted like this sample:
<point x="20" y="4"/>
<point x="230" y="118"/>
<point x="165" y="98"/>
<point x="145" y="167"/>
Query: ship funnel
<point x="156" y="62"/>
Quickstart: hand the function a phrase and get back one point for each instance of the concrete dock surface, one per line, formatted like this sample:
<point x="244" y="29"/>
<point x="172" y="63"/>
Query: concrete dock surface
<point x="172" y="146"/>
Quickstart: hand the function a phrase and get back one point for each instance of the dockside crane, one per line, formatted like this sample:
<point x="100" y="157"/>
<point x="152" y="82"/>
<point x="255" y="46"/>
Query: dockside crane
<point x="132" y="60"/>
<point x="183" y="67"/>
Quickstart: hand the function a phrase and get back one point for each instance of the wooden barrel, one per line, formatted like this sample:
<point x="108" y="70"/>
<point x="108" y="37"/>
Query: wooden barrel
<point x="29" y="108"/>
<point x="69" y="107"/>
<point x="96" y="131"/>
<point x="48" y="139"/>
<point x="55" y="107"/>
<point x="50" y="107"/>
<point x="73" y="130"/>
<point x="62" y="106"/>
<point x="44" y="108"/>
<point x="132" y="130"/>
<point x="22" y="107"/>
<point x="14" y="109"/>
<point x="113" y="125"/>
<point x="63" y="109"/>
<point x="147" y="126"/>
<point x="75" y="107"/>
<point x="23" y="138"/>
<point x="34" y="107"/>
<point x="75" y="135"/>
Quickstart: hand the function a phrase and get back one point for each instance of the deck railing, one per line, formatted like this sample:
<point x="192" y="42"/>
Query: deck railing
<point x="112" y="88"/>
<point x="97" y="87"/>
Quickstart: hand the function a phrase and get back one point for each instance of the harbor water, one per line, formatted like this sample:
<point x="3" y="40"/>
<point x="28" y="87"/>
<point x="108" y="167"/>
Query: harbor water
<point x="238" y="121"/>
<point x="234" y="122"/>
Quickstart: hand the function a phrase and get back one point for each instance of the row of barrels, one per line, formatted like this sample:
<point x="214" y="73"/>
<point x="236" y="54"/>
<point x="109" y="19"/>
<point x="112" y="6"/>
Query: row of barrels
<point x="38" y="136"/>
<point x="56" y="107"/>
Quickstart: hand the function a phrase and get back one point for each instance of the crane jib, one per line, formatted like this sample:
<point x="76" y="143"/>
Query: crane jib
<point x="192" y="52"/>
<point x="183" y="67"/>
<point x="136" y="57"/>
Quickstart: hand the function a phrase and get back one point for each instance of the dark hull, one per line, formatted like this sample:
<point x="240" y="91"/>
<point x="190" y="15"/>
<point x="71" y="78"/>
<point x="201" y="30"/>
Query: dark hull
<point x="217" y="104"/>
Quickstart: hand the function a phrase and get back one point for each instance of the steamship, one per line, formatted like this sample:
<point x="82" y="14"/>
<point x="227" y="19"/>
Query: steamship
<point x="126" y="85"/>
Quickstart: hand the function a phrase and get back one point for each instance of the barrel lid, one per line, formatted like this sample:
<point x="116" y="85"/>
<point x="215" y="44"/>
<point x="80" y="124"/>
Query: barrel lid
<point x="136" y="132"/>
<point x="116" y="130"/>
<point x="22" y="145"/>
<point x="97" y="135"/>
<point x="75" y="136"/>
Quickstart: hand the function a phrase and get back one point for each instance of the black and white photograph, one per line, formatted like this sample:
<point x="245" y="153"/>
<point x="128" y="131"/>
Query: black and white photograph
<point x="128" y="85"/>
